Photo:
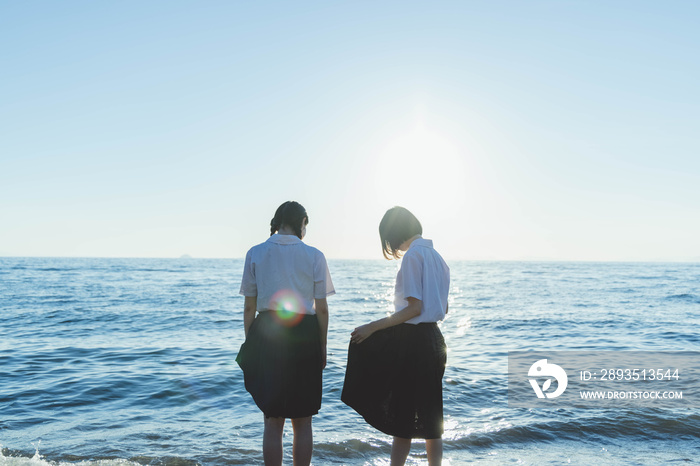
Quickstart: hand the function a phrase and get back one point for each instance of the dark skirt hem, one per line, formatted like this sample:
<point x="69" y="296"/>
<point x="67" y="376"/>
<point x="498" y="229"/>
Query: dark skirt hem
<point x="282" y="364"/>
<point x="394" y="380"/>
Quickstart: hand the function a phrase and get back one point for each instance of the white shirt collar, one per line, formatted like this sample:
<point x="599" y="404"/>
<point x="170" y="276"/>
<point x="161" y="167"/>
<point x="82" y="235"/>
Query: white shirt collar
<point x="421" y="242"/>
<point x="284" y="239"/>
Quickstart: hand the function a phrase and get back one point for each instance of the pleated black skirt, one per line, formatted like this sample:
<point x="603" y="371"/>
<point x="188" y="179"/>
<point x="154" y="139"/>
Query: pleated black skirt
<point x="281" y="362"/>
<point x="394" y="380"/>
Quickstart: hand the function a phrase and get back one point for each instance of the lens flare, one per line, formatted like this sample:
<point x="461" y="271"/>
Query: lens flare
<point x="288" y="307"/>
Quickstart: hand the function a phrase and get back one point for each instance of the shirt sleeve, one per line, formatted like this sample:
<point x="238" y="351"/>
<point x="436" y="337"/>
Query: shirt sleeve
<point x="323" y="285"/>
<point x="249" y="286"/>
<point x="412" y="276"/>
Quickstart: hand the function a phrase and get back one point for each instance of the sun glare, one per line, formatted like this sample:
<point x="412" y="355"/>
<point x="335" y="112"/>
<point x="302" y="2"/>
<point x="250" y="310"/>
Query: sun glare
<point x="422" y="170"/>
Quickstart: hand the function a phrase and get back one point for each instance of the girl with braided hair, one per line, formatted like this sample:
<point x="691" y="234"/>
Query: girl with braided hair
<point x="286" y="283"/>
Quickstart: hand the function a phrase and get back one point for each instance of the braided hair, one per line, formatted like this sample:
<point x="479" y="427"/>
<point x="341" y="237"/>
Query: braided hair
<point x="292" y="214"/>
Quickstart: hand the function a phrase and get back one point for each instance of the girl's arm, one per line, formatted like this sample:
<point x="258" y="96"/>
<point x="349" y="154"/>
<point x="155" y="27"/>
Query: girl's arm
<point x="409" y="312"/>
<point x="249" y="307"/>
<point x="321" y="306"/>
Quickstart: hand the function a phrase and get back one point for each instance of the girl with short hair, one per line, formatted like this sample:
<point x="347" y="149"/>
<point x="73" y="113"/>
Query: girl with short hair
<point x="395" y="364"/>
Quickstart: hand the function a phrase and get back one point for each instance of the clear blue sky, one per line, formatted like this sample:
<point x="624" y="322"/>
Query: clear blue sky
<point x="514" y="130"/>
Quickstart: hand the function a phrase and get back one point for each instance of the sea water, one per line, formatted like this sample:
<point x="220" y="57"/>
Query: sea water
<point x="131" y="361"/>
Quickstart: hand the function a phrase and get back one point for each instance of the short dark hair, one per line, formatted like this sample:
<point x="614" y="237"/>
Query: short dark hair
<point x="292" y="214"/>
<point x="397" y="226"/>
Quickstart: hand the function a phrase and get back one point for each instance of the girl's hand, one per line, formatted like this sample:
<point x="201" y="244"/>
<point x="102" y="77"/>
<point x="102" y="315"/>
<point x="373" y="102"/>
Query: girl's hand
<point x="362" y="333"/>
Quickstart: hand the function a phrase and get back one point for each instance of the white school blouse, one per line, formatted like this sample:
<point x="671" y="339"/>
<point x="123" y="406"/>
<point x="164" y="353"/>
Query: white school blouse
<point x="286" y="274"/>
<point x="423" y="275"/>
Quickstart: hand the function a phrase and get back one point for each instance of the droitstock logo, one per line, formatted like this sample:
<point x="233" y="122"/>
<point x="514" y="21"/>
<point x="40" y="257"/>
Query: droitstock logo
<point x="542" y="369"/>
<point x="603" y="379"/>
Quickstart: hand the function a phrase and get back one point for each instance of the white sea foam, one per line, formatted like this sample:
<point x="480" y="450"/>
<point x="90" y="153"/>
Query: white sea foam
<point x="38" y="460"/>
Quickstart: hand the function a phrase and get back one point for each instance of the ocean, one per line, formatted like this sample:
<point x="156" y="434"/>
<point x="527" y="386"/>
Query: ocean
<point x="131" y="361"/>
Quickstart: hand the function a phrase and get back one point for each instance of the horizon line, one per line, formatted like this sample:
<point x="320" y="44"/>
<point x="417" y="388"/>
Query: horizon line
<point x="695" y="260"/>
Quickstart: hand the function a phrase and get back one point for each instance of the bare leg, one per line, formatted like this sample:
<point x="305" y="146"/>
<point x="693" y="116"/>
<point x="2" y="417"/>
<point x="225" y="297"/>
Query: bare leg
<point x="434" y="449"/>
<point x="272" y="441"/>
<point x="400" y="449"/>
<point x="303" y="441"/>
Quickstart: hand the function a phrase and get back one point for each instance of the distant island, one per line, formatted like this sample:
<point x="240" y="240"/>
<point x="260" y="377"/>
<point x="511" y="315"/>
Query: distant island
<point x="185" y="256"/>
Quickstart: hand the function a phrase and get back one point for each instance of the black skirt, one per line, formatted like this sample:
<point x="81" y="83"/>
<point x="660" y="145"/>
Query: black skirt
<point x="394" y="380"/>
<point x="281" y="361"/>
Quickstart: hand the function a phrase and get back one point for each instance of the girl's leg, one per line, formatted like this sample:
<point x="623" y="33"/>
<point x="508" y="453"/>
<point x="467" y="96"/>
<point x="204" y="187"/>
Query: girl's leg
<point x="434" y="449"/>
<point x="303" y="441"/>
<point x="272" y="441"/>
<point x="399" y="451"/>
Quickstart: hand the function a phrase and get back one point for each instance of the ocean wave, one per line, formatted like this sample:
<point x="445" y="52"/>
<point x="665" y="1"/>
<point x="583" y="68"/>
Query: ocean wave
<point x="167" y="270"/>
<point x="635" y="426"/>
<point x="191" y="284"/>
<point x="58" y="299"/>
<point x="586" y="305"/>
<point x="49" y="269"/>
<point x="676" y="336"/>
<point x="17" y="458"/>
<point x="689" y="297"/>
<point x="354" y="449"/>
<point x="548" y="434"/>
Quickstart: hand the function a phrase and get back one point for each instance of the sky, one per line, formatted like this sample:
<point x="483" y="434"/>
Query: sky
<point x="514" y="130"/>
